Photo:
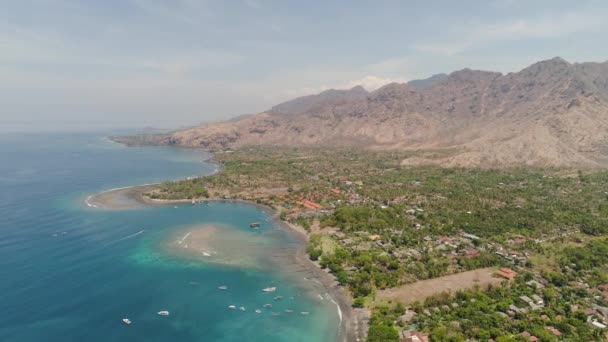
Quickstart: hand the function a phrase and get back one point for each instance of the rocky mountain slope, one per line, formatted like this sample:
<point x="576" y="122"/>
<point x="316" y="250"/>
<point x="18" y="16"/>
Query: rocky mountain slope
<point x="551" y="113"/>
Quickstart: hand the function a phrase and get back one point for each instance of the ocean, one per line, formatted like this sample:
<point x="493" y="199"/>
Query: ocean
<point x="70" y="272"/>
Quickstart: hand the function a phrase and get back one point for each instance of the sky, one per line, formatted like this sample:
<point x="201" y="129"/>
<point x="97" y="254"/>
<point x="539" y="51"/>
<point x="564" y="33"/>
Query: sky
<point x="172" y="63"/>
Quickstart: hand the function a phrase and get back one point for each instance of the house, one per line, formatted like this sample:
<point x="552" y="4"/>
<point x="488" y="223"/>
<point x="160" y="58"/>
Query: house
<point x="413" y="336"/>
<point x="338" y="235"/>
<point x="408" y="316"/>
<point x="526" y="299"/>
<point x="538" y="300"/>
<point x="554" y="331"/>
<point x="534" y="283"/>
<point x="597" y="325"/>
<point x="526" y="335"/>
<point x="514" y="308"/>
<point x="506" y="273"/>
<point x="470" y="236"/>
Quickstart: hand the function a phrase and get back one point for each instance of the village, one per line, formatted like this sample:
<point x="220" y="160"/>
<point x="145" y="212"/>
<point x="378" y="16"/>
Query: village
<point x="379" y="228"/>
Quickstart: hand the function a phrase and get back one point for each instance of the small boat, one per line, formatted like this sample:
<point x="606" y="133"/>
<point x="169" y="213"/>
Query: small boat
<point x="305" y="313"/>
<point x="193" y="202"/>
<point x="232" y="307"/>
<point x="206" y="254"/>
<point x="267" y="305"/>
<point x="194" y="283"/>
<point x="254" y="225"/>
<point x="288" y="311"/>
<point x="278" y="297"/>
<point x="223" y="287"/>
<point x="163" y="313"/>
<point x="126" y="321"/>
<point x="269" y="289"/>
<point x="275" y="313"/>
<point x="242" y="308"/>
<point x="258" y="311"/>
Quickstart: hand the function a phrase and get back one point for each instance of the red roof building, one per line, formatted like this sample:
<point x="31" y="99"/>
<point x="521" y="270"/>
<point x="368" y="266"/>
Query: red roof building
<point x="506" y="273"/>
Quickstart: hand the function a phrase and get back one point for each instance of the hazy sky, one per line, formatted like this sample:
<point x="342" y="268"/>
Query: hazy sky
<point x="177" y="62"/>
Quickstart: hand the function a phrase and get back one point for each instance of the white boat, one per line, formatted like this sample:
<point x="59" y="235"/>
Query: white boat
<point x="267" y="305"/>
<point x="288" y="311"/>
<point x="126" y="321"/>
<point x="206" y="254"/>
<point x="305" y="313"/>
<point x="275" y="313"/>
<point x="223" y="287"/>
<point x="278" y="297"/>
<point x="242" y="308"/>
<point x="269" y="289"/>
<point x="232" y="307"/>
<point x="258" y="311"/>
<point x="163" y="313"/>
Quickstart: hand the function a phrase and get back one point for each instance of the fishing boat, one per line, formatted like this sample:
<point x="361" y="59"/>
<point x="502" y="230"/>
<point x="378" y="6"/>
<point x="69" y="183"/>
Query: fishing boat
<point x="258" y="311"/>
<point x="267" y="305"/>
<point x="126" y="321"/>
<point x="223" y="287"/>
<point x="232" y="307"/>
<point x="163" y="313"/>
<point x="269" y="289"/>
<point x="254" y="225"/>
<point x="278" y="297"/>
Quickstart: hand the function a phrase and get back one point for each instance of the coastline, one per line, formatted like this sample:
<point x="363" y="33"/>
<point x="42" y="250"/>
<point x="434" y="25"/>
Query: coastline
<point x="133" y="196"/>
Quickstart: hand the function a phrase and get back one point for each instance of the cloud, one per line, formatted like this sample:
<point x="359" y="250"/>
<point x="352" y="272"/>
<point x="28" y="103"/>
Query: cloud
<point x="372" y="82"/>
<point x="544" y="27"/>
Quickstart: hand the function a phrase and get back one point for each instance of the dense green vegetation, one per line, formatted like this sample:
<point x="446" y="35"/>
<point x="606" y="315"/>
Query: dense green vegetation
<point x="481" y="315"/>
<point x="383" y="225"/>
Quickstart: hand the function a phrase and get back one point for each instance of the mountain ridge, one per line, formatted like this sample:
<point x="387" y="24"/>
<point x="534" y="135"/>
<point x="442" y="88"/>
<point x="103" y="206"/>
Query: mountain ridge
<point x="550" y="114"/>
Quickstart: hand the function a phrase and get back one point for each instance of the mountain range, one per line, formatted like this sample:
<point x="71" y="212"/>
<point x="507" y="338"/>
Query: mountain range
<point x="550" y="114"/>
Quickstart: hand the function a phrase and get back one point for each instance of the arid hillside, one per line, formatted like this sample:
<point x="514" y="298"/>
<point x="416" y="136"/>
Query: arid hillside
<point x="550" y="114"/>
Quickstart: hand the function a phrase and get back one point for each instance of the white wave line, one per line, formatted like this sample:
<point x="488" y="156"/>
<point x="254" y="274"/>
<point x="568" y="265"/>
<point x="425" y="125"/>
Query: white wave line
<point x="184" y="238"/>
<point x="87" y="201"/>
<point x="337" y="306"/>
<point x="130" y="236"/>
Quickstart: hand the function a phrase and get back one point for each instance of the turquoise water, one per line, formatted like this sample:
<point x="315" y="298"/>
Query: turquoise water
<point x="71" y="273"/>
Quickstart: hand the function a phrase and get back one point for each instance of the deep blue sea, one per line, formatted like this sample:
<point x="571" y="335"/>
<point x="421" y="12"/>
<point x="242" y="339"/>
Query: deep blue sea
<point x="69" y="272"/>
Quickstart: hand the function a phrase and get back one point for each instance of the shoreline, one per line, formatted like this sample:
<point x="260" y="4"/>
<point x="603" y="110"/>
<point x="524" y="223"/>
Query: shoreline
<point x="337" y="294"/>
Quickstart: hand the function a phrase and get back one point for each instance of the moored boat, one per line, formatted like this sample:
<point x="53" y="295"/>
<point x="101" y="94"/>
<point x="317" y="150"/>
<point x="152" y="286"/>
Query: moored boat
<point x="163" y="313"/>
<point x="126" y="321"/>
<point x="269" y="289"/>
<point x="232" y="307"/>
<point x="223" y="287"/>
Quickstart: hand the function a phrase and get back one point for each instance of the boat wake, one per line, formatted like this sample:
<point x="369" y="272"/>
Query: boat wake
<point x="184" y="238"/>
<point x="130" y="236"/>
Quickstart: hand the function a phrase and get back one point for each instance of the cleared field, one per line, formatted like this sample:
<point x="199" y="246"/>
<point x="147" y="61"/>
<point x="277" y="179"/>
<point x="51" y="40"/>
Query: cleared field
<point x="420" y="290"/>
